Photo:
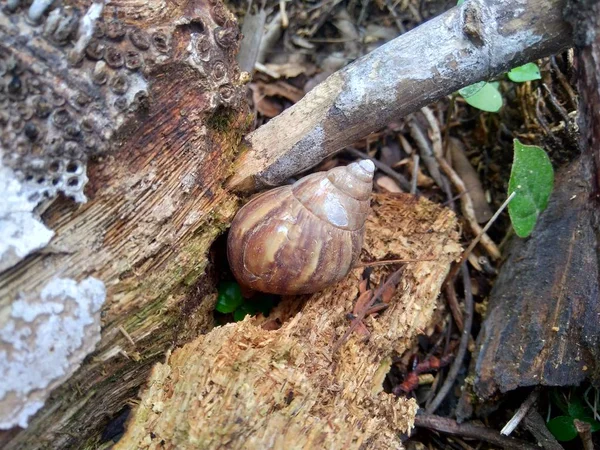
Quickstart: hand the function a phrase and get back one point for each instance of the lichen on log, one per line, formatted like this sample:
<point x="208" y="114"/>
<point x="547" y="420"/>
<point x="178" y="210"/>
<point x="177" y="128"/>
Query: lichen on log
<point x="242" y="386"/>
<point x="136" y="110"/>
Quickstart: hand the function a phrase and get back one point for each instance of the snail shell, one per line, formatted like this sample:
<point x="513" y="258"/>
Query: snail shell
<point x="301" y="238"/>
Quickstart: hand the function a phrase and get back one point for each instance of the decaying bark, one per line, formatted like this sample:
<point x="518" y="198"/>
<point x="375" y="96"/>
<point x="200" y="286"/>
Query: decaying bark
<point x="241" y="386"/>
<point x="144" y="98"/>
<point x="542" y="324"/>
<point x="474" y="42"/>
<point x="552" y="279"/>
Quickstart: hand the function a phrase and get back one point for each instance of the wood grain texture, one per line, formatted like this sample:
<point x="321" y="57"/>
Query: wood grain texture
<point x="155" y="204"/>
<point x="542" y="321"/>
<point x="241" y="386"/>
<point x="542" y="327"/>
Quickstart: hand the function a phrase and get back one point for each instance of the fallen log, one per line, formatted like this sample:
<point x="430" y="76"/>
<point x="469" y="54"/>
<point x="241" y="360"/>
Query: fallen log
<point x="242" y="386"/>
<point x="542" y="327"/>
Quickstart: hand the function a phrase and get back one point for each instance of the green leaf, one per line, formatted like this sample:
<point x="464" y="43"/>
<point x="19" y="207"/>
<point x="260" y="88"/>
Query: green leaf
<point x="460" y="2"/>
<point x="229" y="297"/>
<point x="563" y="428"/>
<point x="577" y="409"/>
<point x="527" y="72"/>
<point x="532" y="178"/>
<point x="245" y="309"/>
<point x="472" y="89"/>
<point x="486" y="97"/>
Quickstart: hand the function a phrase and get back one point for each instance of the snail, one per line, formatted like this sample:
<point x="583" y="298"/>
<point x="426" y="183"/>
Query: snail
<point x="301" y="238"/>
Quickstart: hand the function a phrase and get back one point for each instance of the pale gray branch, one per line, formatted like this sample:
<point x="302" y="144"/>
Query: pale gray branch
<point x="476" y="41"/>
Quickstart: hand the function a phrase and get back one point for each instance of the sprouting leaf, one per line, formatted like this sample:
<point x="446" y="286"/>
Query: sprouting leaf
<point x="486" y="97"/>
<point x="577" y="409"/>
<point x="527" y="72"/>
<point x="229" y="297"/>
<point x="532" y="178"/>
<point x="472" y="89"/>
<point x="563" y="428"/>
<point x="245" y="309"/>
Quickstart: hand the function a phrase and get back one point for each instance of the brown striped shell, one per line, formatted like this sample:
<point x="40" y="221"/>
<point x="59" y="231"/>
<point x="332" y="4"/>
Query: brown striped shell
<point x="301" y="238"/>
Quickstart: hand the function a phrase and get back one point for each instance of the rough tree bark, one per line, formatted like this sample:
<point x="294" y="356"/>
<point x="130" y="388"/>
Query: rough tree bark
<point x="145" y="100"/>
<point x="553" y="277"/>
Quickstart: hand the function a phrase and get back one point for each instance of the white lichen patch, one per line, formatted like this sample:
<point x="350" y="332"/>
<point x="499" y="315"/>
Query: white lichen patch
<point x="43" y="340"/>
<point x="20" y="231"/>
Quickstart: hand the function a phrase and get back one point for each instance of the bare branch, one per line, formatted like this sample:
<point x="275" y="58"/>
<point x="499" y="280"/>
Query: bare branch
<point x="473" y="42"/>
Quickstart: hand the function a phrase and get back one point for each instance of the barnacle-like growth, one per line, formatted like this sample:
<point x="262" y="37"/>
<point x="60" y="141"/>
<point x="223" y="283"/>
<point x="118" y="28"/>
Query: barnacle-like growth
<point x="107" y="103"/>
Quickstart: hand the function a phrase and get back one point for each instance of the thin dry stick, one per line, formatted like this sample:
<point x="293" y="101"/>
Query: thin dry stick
<point x="465" y="201"/>
<point x="462" y="348"/>
<point x="521" y="413"/>
<point x="454" y="306"/>
<point x="387" y="262"/>
<point x="449" y="426"/>
<point x="473" y="243"/>
<point x="415" y="174"/>
<point x="536" y="425"/>
<point x="585" y="433"/>
<point x="392" y="280"/>
<point x="399" y="178"/>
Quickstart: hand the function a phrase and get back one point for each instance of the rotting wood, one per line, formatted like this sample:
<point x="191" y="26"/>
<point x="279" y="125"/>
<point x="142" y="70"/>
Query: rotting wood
<point x="542" y="324"/>
<point x="155" y="197"/>
<point x="473" y="42"/>
<point x="241" y="386"/>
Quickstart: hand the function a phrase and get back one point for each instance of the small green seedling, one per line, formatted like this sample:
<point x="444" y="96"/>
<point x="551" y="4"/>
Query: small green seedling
<point x="526" y="72"/>
<point x="483" y="95"/>
<point x="573" y="407"/>
<point x="229" y="297"/>
<point x="532" y="178"/>
<point x="230" y="300"/>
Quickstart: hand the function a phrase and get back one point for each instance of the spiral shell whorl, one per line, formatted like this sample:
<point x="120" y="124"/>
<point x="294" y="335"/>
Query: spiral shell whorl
<point x="339" y="196"/>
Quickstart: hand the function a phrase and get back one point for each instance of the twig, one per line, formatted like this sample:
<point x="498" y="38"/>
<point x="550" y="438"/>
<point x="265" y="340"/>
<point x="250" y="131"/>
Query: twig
<point x="470" y="430"/>
<point x="536" y="425"/>
<point x="521" y="413"/>
<point x="585" y="434"/>
<point x="392" y="280"/>
<point x="126" y="334"/>
<point x="415" y="174"/>
<point x="462" y="348"/>
<point x="284" y="17"/>
<point x="557" y="106"/>
<point x="407" y="73"/>
<point x="396" y="17"/>
<point x="593" y="407"/>
<point x="454" y="306"/>
<point x="465" y="201"/>
<point x="387" y="262"/>
<point x="473" y="243"/>
<point x="426" y="152"/>
<point x="399" y="178"/>
<point x="564" y="83"/>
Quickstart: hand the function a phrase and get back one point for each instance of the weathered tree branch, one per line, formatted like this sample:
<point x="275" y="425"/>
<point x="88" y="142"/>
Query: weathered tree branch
<point x="477" y="41"/>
